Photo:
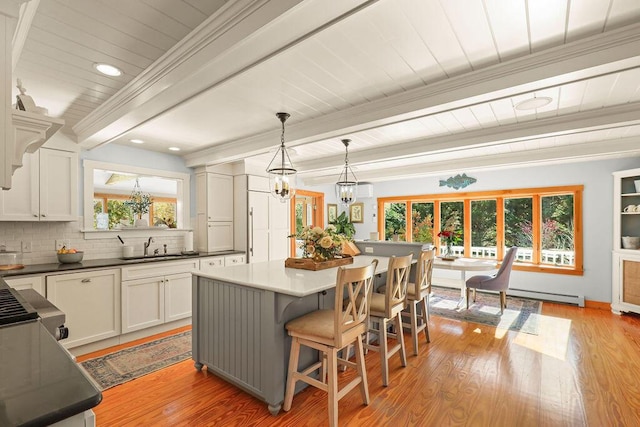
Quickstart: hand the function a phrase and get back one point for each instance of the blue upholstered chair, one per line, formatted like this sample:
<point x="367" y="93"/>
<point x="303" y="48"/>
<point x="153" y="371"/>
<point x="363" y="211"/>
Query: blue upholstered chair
<point x="498" y="282"/>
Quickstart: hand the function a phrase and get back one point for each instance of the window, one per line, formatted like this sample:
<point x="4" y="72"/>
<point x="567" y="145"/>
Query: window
<point x="541" y="222"/>
<point x="108" y="186"/>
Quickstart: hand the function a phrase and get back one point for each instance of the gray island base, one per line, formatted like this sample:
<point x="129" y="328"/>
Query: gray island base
<point x="239" y="313"/>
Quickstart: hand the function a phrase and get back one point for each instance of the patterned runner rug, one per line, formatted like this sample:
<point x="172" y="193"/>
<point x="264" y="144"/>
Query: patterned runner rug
<point x="124" y="365"/>
<point x="521" y="314"/>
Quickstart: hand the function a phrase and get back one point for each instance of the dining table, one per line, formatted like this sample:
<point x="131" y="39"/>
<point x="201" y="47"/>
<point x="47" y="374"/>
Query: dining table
<point x="464" y="266"/>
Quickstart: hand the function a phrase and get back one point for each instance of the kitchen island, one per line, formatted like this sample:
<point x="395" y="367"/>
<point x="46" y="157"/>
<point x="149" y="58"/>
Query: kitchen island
<point x="239" y="313"/>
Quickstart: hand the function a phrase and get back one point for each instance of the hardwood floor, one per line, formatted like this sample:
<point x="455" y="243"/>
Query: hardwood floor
<point x="580" y="370"/>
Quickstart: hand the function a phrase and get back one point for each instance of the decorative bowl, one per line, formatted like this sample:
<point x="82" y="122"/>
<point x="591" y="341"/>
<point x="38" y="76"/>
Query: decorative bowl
<point x="70" y="258"/>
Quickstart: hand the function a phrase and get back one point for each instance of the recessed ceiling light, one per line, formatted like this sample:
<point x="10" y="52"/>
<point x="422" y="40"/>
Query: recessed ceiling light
<point x="174" y="149"/>
<point x="533" y="103"/>
<point x="137" y="141"/>
<point x="108" y="70"/>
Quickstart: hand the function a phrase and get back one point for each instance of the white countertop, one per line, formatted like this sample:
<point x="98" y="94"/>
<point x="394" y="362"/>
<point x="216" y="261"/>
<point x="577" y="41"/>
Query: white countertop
<point x="273" y="276"/>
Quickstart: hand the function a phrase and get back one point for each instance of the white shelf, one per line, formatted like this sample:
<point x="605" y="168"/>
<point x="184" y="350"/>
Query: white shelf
<point x="629" y="194"/>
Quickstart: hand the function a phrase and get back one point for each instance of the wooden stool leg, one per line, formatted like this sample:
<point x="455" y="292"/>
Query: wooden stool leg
<point x="345" y="356"/>
<point x="332" y="362"/>
<point x="362" y="371"/>
<point x="425" y="317"/>
<point x="400" y="337"/>
<point x="413" y="313"/>
<point x="384" y="349"/>
<point x="293" y="368"/>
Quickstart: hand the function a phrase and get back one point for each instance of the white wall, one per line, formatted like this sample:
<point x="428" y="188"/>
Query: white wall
<point x="597" y="215"/>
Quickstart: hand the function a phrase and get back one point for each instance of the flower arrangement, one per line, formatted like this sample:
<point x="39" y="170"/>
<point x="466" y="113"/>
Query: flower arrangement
<point x="450" y="234"/>
<point x="320" y="244"/>
<point x="139" y="202"/>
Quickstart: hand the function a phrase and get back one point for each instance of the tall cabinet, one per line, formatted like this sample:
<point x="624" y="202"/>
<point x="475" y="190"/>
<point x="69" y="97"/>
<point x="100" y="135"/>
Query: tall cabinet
<point x="261" y="223"/>
<point x="214" y="204"/>
<point x="626" y="249"/>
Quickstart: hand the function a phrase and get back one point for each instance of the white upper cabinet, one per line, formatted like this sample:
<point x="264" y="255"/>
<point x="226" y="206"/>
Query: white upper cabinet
<point x="214" y="204"/>
<point x="45" y="188"/>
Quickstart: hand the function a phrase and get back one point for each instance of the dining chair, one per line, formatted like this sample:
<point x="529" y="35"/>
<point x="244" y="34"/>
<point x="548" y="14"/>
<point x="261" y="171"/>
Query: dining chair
<point x="385" y="310"/>
<point x="328" y="331"/>
<point x="497" y="282"/>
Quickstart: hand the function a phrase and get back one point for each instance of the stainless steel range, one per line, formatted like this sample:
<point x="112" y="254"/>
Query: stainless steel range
<point x="27" y="305"/>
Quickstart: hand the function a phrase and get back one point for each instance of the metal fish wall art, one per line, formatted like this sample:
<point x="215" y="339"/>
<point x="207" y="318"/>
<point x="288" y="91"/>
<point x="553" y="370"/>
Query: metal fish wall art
<point x="457" y="182"/>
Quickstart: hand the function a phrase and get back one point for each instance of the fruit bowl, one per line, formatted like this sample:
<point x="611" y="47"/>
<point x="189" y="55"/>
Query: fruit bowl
<point x="70" y="258"/>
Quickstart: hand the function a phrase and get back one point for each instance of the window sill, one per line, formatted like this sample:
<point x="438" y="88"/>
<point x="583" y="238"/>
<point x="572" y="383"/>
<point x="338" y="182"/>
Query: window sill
<point x="572" y="271"/>
<point x="132" y="232"/>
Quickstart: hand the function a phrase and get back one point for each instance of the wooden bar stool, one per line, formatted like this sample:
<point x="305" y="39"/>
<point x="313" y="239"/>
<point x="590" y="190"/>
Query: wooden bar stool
<point x="418" y="295"/>
<point x="385" y="309"/>
<point x="328" y="331"/>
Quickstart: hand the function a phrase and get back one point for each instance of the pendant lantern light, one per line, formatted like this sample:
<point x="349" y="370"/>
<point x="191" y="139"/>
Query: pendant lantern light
<point x="347" y="182"/>
<point x="282" y="175"/>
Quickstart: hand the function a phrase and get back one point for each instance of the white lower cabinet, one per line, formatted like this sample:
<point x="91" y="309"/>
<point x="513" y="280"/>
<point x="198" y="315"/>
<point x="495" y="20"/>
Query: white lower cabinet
<point x="91" y="303"/>
<point x="157" y="293"/>
<point x="206" y="264"/>
<point x="27" y="282"/>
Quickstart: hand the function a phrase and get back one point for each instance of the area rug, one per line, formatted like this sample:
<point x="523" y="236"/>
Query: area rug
<point x="521" y="314"/>
<point x="130" y="363"/>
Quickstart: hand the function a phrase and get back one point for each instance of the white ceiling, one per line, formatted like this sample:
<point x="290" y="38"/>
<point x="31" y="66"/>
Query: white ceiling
<point x="419" y="86"/>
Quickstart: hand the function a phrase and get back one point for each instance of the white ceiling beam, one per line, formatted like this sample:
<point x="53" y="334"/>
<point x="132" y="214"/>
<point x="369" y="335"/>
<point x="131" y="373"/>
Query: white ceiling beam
<point x="567" y="153"/>
<point x="586" y="58"/>
<point x="241" y="36"/>
<point x="552" y="126"/>
<point x="27" y="12"/>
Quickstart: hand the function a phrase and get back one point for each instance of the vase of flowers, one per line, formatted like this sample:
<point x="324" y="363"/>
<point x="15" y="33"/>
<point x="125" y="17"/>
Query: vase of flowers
<point x="320" y="244"/>
<point x="450" y="234"/>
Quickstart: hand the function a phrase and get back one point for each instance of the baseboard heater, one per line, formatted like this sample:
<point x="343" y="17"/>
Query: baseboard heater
<point x="547" y="296"/>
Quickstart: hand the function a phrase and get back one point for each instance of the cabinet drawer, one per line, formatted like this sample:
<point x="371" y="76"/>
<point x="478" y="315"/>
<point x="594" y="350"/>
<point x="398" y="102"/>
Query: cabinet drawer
<point x="211" y="262"/>
<point x="27" y="282"/>
<point x="158" y="268"/>
<point x="234" y="259"/>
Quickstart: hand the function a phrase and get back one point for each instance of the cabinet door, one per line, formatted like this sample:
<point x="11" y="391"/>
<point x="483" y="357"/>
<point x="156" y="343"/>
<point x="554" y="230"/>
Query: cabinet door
<point x="278" y="229"/>
<point x="177" y="296"/>
<point x="22" y="202"/>
<point x="27" y="282"/>
<point x="91" y="303"/>
<point x="258" y="227"/>
<point x="58" y="185"/>
<point x="219" y="236"/>
<point x="142" y="304"/>
<point x="219" y="197"/>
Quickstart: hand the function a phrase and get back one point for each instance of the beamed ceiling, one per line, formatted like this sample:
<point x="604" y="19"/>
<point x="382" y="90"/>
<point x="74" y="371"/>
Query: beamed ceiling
<point x="419" y="86"/>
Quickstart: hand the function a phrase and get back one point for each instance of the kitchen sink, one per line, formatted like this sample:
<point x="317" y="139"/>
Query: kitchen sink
<point x="159" y="257"/>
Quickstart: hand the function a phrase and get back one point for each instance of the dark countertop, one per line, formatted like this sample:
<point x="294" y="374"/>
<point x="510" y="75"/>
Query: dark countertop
<point x="40" y="383"/>
<point x="100" y="263"/>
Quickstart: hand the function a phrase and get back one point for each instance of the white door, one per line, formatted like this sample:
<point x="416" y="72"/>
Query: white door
<point x="219" y="236"/>
<point x="219" y="197"/>
<point x="258" y="227"/>
<point x="177" y="296"/>
<point x="278" y="229"/>
<point x="58" y="185"/>
<point x="22" y="202"/>
<point x="142" y="304"/>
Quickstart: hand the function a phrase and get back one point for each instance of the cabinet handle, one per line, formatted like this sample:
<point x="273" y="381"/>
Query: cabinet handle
<point x="251" y="229"/>
<point x="35" y="215"/>
<point x="86" y="281"/>
<point x="43" y="215"/>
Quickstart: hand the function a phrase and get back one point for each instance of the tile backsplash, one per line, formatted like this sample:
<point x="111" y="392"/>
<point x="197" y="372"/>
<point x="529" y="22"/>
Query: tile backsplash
<point x="43" y="235"/>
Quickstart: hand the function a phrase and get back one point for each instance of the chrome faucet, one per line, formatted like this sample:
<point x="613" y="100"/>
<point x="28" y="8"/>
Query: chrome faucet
<point x="146" y="246"/>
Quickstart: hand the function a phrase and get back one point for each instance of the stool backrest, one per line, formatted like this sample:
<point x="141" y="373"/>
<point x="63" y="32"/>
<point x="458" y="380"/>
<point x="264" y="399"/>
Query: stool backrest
<point x="353" y="296"/>
<point x="396" y="287"/>
<point x="425" y="270"/>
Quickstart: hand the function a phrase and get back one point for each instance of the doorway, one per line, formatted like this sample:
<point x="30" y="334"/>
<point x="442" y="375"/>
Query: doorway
<point x="307" y="209"/>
